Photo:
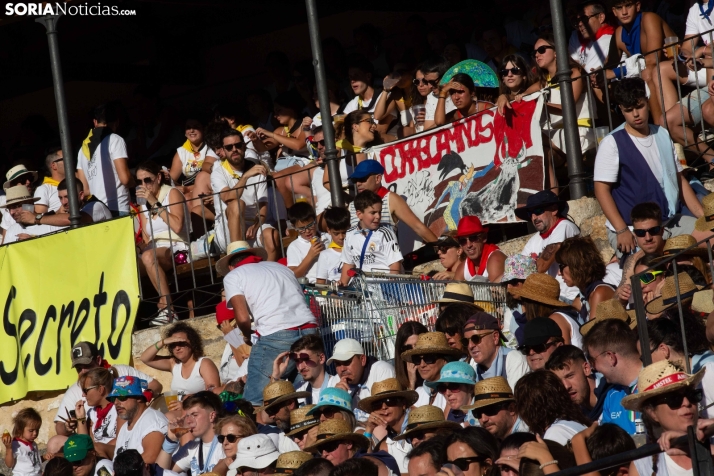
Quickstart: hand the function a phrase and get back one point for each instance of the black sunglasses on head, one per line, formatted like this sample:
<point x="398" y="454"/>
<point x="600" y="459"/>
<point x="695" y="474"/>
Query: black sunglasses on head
<point x="541" y="50"/>
<point x="642" y="232"/>
<point x="515" y="71"/>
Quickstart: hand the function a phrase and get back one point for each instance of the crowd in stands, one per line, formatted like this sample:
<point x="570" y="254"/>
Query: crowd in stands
<point x="553" y="381"/>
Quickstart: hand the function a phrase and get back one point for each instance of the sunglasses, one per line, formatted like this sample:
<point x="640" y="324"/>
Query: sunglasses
<point x="515" y="71"/>
<point x="274" y="410"/>
<point x="537" y="211"/>
<point x="474" y="339"/>
<point x="419" y="435"/>
<point x="542" y="50"/>
<point x="229" y="437"/>
<point x="538" y="348"/>
<point x="177" y="344"/>
<point x="427" y="359"/>
<point x="583" y="19"/>
<point x="329" y="412"/>
<point x="331" y="446"/>
<point x="230" y="147"/>
<point x="370" y="120"/>
<point x="464" y="463"/>
<point x="299" y="358"/>
<point x="475" y="238"/>
<point x="561" y="267"/>
<point x="443" y="249"/>
<point x="86" y="390"/>
<point x="650" y="276"/>
<point x="452" y="387"/>
<point x="641" y="233"/>
<point x="390" y="402"/>
<point x="147" y="180"/>
<point x="303" y="229"/>
<point x="513" y="282"/>
<point x="452" y="330"/>
<point x="343" y="363"/>
<point x="124" y="398"/>
<point x="674" y="400"/>
<point x="490" y="410"/>
<point x="318" y="142"/>
<point x="425" y="82"/>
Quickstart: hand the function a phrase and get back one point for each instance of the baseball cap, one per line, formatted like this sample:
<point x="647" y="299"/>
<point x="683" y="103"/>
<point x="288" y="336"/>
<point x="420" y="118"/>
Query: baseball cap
<point x="345" y="350"/>
<point x="367" y="168"/>
<point x="84" y="353"/>
<point x="76" y="447"/>
<point x="539" y="330"/>
<point x="482" y="321"/>
<point x="223" y="313"/>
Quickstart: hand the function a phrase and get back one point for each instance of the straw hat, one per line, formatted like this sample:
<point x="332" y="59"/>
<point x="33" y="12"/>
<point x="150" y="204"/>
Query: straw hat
<point x="16" y="172"/>
<point x="388" y="388"/>
<point x="20" y="194"/>
<point x="426" y="417"/>
<point x="279" y="392"/>
<point x="668" y="299"/>
<point x="679" y="243"/>
<point x="457" y="292"/>
<point x="431" y="343"/>
<point x="235" y="248"/>
<point x="610" y="309"/>
<point x="658" y="378"/>
<point x="706" y="222"/>
<point x="540" y="287"/>
<point x="703" y="301"/>
<point x="336" y="430"/>
<point x="489" y="391"/>
<point x="301" y="421"/>
<point x="290" y="461"/>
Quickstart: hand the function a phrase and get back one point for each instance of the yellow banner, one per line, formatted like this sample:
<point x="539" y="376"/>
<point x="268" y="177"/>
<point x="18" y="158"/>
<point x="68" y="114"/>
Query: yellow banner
<point x="55" y="291"/>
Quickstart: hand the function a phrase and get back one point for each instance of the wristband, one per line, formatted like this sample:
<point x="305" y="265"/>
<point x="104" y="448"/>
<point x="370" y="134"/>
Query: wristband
<point x="620" y="232"/>
<point x="367" y="434"/>
<point x="555" y="461"/>
<point x="169" y="446"/>
<point x="156" y="344"/>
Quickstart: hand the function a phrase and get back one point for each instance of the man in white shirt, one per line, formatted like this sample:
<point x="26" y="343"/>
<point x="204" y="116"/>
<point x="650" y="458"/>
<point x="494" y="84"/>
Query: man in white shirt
<point x="356" y="372"/>
<point x="277" y="304"/>
<point x="17" y="175"/>
<point x="590" y="41"/>
<point x="18" y="197"/>
<point x="102" y="163"/>
<point x="308" y="353"/>
<point x="433" y="70"/>
<point x="47" y="191"/>
<point x="549" y="216"/>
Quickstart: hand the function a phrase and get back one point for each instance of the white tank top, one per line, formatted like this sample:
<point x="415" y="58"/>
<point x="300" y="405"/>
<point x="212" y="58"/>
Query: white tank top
<point x="467" y="274"/>
<point x="159" y="226"/>
<point x="576" y="338"/>
<point x="188" y="386"/>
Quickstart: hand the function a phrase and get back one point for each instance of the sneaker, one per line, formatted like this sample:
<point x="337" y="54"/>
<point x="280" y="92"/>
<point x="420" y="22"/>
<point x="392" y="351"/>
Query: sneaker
<point x="707" y="135"/>
<point x="165" y="316"/>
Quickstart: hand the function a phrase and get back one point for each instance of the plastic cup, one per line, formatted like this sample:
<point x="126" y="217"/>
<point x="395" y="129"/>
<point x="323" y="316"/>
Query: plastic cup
<point x="337" y="118"/>
<point x="300" y="198"/>
<point x="601" y="132"/>
<point x="671" y="47"/>
<point x="170" y="397"/>
<point x="418" y="109"/>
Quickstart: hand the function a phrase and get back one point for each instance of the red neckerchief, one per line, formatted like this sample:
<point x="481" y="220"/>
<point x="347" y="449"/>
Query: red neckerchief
<point x="488" y="248"/>
<point x="604" y="29"/>
<point x="549" y="232"/>
<point x="382" y="192"/>
<point x="106" y="364"/>
<point x="101" y="414"/>
<point x="252" y="259"/>
<point x="24" y="442"/>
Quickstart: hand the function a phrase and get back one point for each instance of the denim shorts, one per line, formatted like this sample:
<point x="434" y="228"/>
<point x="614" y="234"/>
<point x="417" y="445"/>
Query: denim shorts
<point x="693" y="102"/>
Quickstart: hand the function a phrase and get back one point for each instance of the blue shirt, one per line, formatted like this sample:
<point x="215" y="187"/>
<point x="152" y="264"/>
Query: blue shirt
<point x="614" y="412"/>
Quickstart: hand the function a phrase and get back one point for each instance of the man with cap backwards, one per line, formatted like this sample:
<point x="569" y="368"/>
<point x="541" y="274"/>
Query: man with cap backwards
<point x="495" y="408"/>
<point x="430" y="353"/>
<point x="145" y="428"/>
<point x="16" y="197"/>
<point x="482" y="259"/>
<point x="279" y="400"/>
<point x="489" y="356"/>
<point x="368" y="176"/>
<point x="256" y="455"/>
<point x="541" y="336"/>
<point x="271" y="293"/>
<point x="336" y="441"/>
<point x="79" y="450"/>
<point x="356" y="372"/>
<point x="549" y="216"/>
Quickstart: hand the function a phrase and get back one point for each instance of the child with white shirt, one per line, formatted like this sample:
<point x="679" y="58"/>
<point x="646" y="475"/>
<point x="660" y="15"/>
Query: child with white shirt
<point x="22" y="454"/>
<point x="304" y="251"/>
<point x="329" y="264"/>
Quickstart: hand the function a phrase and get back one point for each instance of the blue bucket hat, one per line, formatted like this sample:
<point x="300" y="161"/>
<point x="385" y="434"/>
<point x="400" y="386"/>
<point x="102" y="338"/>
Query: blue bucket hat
<point x="128" y="386"/>
<point x="455" y="372"/>
<point x="333" y="397"/>
<point x="367" y="168"/>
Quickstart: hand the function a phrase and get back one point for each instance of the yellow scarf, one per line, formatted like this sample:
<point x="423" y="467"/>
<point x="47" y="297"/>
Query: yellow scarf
<point x="344" y="144"/>
<point x="50" y="181"/>
<point x="242" y="128"/>
<point x="230" y="170"/>
<point x="335" y="246"/>
<point x="189" y="147"/>
<point x="85" y="146"/>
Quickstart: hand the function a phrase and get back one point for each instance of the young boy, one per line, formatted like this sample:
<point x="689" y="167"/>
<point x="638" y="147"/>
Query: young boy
<point x="303" y="252"/>
<point x="369" y="245"/>
<point x="329" y="264"/>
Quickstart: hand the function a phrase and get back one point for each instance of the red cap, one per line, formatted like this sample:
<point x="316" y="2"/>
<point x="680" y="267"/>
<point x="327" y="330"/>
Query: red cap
<point x="223" y="313"/>
<point x="470" y="225"/>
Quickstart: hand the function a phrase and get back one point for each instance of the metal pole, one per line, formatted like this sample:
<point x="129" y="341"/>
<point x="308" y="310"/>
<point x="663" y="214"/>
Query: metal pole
<point x="576" y="171"/>
<point x="50" y="24"/>
<point x="333" y="164"/>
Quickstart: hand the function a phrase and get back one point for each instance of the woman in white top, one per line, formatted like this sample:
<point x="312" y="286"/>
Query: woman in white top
<point x="164" y="230"/>
<point x="100" y="421"/>
<point x="229" y="431"/>
<point x="545" y="406"/>
<point x="192" y="372"/>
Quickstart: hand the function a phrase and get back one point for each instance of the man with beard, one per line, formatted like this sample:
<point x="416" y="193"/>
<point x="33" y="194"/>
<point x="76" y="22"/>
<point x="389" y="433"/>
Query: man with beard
<point x="279" y="399"/>
<point x="549" y="216"/>
<point x="308" y="353"/>
<point x="482" y="259"/>
<point x="495" y="408"/>
<point x="145" y="427"/>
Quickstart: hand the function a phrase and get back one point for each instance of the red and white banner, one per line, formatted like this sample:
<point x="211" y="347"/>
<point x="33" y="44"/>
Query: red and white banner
<point x="484" y="165"/>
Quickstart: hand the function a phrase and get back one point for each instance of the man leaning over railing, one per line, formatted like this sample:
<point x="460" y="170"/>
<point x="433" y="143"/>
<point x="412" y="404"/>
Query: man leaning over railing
<point x="17" y="197"/>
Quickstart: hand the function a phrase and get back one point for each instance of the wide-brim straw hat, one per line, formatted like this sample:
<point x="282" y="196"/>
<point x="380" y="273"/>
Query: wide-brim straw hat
<point x="288" y="462"/>
<point x="16" y="172"/>
<point x="237" y="247"/>
<point x="668" y="299"/>
<point x="279" y="392"/>
<point x="703" y="301"/>
<point x="490" y="391"/>
<point x="542" y="288"/>
<point x="431" y="343"/>
<point x="20" y="194"/>
<point x="457" y="292"/>
<point x="301" y="421"/>
<point x="706" y="221"/>
<point x="678" y="244"/>
<point x="336" y="430"/>
<point x="658" y="378"/>
<point x="388" y="388"/>
<point x="426" y="417"/>
<point x="610" y="309"/>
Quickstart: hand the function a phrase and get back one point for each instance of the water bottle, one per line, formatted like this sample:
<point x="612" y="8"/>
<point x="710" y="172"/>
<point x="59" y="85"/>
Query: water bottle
<point x="640" y="437"/>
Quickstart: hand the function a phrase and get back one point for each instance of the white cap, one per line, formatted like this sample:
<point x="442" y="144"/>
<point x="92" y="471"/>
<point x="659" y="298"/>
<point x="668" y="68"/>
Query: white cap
<point x="345" y="349"/>
<point x="255" y="451"/>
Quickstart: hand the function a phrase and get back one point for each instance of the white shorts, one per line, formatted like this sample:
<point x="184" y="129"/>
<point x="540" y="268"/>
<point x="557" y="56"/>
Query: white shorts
<point x="698" y="79"/>
<point x="221" y="228"/>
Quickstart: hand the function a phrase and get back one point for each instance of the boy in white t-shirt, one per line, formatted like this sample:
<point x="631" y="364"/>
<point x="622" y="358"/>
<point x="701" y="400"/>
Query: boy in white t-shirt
<point x="370" y="246"/>
<point x="304" y="251"/>
<point x="329" y="264"/>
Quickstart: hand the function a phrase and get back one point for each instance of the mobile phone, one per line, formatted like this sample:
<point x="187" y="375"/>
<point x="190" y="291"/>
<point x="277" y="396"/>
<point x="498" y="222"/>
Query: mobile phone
<point x="73" y="414"/>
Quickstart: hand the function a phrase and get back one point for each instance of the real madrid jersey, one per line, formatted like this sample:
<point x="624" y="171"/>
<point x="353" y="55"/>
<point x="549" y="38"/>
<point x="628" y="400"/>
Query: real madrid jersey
<point x="371" y="250"/>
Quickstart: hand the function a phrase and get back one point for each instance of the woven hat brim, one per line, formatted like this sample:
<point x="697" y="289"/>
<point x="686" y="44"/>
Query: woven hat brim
<point x="703" y="225"/>
<point x="427" y="350"/>
<point x="450" y="300"/>
<point x="702" y="301"/>
<point x="487" y="402"/>
<point x="23" y="200"/>
<point x="636" y="400"/>
<point x="585" y="328"/>
<point x="7" y="184"/>
<point x="303" y="428"/>
<point x="354" y="437"/>
<point x="701" y="252"/>
<point x="518" y="292"/>
<point x="222" y="264"/>
<point x="409" y="395"/>
<point x="434" y="425"/>
<point x="657" y="305"/>
<point x="282" y="399"/>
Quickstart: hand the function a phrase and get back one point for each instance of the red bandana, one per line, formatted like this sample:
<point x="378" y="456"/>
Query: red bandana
<point x="252" y="259"/>
<point x="24" y="442"/>
<point x="382" y="192"/>
<point x="549" y="232"/>
<point x="604" y="29"/>
<point x="101" y="414"/>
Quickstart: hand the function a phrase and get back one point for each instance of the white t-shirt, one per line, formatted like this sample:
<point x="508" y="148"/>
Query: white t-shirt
<point x="27" y="459"/>
<point x="297" y="251"/>
<point x="381" y="251"/>
<point x="191" y="164"/>
<point x="613" y="274"/>
<point x="697" y="23"/>
<point x="229" y="370"/>
<point x="33" y="230"/>
<point x="47" y="194"/>
<point x="7" y="219"/>
<point x="187" y="456"/>
<point x="329" y="265"/>
<point x="593" y="55"/>
<point x="97" y="210"/>
<point x="380" y="370"/>
<point x="107" y="431"/>
<point x="536" y="244"/>
<point x="354" y="103"/>
<point x="425" y="395"/>
<point x="273" y="295"/>
<point x="149" y="422"/>
<point x="100" y="171"/>
<point x="315" y="390"/>
<point x="323" y="198"/>
<point x="256" y="192"/>
<point x="562" y="431"/>
<point x="432" y="101"/>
